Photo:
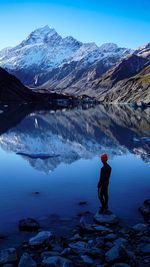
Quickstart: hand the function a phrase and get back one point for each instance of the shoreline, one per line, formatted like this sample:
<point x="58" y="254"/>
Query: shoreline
<point x="100" y="240"/>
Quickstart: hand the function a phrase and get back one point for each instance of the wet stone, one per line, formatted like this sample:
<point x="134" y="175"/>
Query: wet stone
<point x="8" y="256"/>
<point x="145" y="209"/>
<point x="27" y="261"/>
<point x="112" y="254"/>
<point x="140" y="227"/>
<point x="56" y="261"/>
<point x="106" y="218"/>
<point x="87" y="259"/>
<point x="101" y="228"/>
<point x="28" y="225"/>
<point x="111" y="237"/>
<point x="41" y="238"/>
<point x="144" y="248"/>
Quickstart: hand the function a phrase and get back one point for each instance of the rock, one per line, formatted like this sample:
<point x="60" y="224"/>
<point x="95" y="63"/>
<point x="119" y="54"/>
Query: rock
<point x="144" y="248"/>
<point x="86" y="228"/>
<point x="101" y="228"/>
<point x="76" y="237"/>
<point x="56" y="261"/>
<point x="27" y="261"/>
<point x="47" y="254"/>
<point x="120" y="241"/>
<point x="40" y="238"/>
<point x="110" y="237"/>
<point x="28" y="225"/>
<point x="140" y="227"/>
<point x="87" y="259"/>
<point x="8" y="256"/>
<point x="66" y="252"/>
<point x="79" y="247"/>
<point x="106" y="218"/>
<point x="8" y="265"/>
<point x="82" y="203"/>
<point x="113" y="254"/>
<point x="145" y="209"/>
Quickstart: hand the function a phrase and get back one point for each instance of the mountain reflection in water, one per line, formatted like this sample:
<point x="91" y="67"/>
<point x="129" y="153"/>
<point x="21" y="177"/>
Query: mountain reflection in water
<point x="79" y="133"/>
<point x="78" y="136"/>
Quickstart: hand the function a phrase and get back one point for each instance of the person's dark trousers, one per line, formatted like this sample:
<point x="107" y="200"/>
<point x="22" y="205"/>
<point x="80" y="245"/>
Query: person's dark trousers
<point x="103" y="196"/>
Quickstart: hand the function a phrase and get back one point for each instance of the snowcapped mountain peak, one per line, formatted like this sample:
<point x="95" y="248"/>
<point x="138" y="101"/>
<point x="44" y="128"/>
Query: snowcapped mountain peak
<point x="41" y="35"/>
<point x="109" y="47"/>
<point x="44" y="53"/>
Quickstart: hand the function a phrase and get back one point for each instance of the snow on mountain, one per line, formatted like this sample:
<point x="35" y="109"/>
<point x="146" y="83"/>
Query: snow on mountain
<point x="44" y="50"/>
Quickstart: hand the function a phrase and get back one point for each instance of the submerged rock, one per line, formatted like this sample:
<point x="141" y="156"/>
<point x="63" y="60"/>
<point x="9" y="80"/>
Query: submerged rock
<point x="28" y="225"/>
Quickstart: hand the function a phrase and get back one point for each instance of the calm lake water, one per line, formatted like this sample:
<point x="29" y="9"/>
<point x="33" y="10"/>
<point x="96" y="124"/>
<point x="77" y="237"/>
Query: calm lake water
<point x="77" y="137"/>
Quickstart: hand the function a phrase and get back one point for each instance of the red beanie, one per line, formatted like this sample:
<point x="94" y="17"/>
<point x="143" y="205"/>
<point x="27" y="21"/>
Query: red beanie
<point x="104" y="157"/>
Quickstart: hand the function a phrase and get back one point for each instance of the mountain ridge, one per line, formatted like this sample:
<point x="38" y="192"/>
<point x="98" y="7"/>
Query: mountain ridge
<point x="44" y="50"/>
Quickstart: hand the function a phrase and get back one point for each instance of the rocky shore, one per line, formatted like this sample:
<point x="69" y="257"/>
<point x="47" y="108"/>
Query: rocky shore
<point x="101" y="242"/>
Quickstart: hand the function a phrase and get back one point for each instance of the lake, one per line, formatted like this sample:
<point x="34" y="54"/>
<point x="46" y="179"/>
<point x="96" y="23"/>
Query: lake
<point x="75" y="138"/>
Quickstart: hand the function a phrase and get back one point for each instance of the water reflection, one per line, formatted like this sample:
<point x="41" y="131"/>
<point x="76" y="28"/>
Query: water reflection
<point x="76" y="133"/>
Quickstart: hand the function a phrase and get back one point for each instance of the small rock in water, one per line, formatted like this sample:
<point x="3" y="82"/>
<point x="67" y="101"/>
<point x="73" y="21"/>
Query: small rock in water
<point x="8" y="256"/>
<point x="28" y="225"/>
<point x="40" y="238"/>
<point x="145" y="209"/>
<point x="82" y="203"/>
<point x="36" y="193"/>
<point x="106" y="218"/>
<point x="27" y="261"/>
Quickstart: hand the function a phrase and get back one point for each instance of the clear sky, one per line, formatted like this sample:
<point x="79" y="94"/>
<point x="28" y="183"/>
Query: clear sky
<point x="126" y="23"/>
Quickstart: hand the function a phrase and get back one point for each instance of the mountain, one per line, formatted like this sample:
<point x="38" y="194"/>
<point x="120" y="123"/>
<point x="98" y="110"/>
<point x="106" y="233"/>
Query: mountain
<point x="13" y="91"/>
<point x="127" y="81"/>
<point x="48" y="60"/>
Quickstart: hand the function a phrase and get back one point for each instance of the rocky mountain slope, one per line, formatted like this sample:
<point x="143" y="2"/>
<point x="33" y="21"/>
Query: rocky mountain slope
<point x="128" y="81"/>
<point x="12" y="90"/>
<point x="47" y="58"/>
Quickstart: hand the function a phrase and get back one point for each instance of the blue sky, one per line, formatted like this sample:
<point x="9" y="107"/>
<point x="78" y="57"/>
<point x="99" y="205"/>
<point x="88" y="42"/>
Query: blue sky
<point x="126" y="23"/>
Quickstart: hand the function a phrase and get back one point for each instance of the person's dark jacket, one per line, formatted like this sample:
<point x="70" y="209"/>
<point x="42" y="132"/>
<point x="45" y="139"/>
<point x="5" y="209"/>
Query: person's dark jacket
<point x="104" y="175"/>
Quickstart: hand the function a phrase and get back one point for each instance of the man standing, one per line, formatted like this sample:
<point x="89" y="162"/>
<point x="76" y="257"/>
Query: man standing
<point x="103" y="183"/>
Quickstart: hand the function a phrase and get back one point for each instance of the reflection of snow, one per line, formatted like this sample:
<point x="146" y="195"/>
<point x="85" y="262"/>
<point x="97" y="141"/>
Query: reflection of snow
<point x="140" y="152"/>
<point x="76" y="134"/>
